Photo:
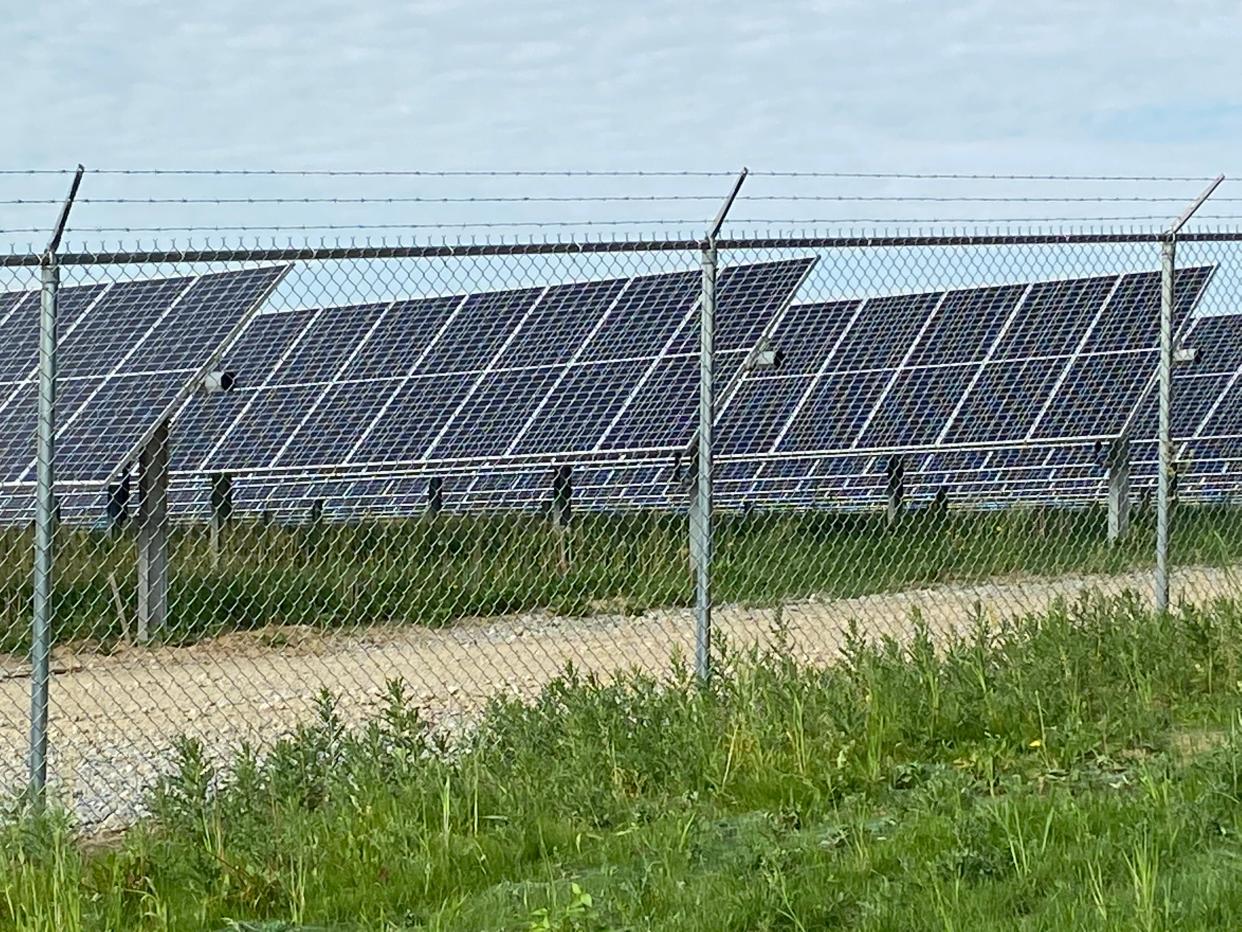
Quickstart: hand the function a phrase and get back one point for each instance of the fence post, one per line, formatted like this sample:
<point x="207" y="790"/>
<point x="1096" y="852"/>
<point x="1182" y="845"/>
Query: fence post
<point x="701" y="509"/>
<point x="153" y="534"/>
<point x="1167" y="259"/>
<point x="44" y="528"/>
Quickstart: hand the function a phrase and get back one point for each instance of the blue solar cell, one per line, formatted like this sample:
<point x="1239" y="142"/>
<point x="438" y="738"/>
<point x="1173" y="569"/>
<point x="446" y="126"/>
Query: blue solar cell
<point x="478" y="331"/>
<point x="966" y="325"/>
<point x="17" y="431"/>
<point x="644" y="317"/>
<point x="749" y="296"/>
<point x="1004" y="402"/>
<point x="1217" y="342"/>
<point x="917" y="406"/>
<point x="419" y="410"/>
<point x="327" y="343"/>
<point x="1019" y="458"/>
<point x="202" y="320"/>
<point x="121" y="318"/>
<point x="199" y="426"/>
<point x="757" y="413"/>
<point x="20" y="353"/>
<point x="491" y="417"/>
<point x="662" y="412"/>
<point x="1226" y="420"/>
<point x="19" y="418"/>
<point x="1193" y="396"/>
<point x="556" y="328"/>
<point x="1053" y="318"/>
<point x="341" y="416"/>
<point x="883" y="332"/>
<point x="268" y="336"/>
<point x="581" y="407"/>
<point x="807" y="333"/>
<point x="834" y="412"/>
<point x="1078" y="408"/>
<point x="401" y="337"/>
<point x="1131" y="320"/>
<point x="261" y="430"/>
<point x="94" y="439"/>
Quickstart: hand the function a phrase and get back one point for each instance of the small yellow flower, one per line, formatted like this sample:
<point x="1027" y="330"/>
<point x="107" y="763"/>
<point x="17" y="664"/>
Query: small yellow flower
<point x="1036" y="744"/>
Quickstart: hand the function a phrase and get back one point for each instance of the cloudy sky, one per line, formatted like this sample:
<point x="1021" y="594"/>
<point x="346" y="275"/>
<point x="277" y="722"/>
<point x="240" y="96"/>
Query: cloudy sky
<point x="1049" y="86"/>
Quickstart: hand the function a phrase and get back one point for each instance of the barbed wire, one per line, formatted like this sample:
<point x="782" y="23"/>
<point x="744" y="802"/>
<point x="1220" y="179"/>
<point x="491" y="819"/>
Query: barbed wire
<point x="965" y="176"/>
<point x="262" y="228"/>
<point x="608" y="198"/>
<point x="609" y="173"/>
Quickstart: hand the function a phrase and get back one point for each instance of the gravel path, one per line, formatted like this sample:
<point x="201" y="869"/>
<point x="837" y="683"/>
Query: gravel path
<point x="114" y="717"/>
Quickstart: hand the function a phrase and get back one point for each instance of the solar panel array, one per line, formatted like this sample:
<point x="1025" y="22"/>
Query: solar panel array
<point x="972" y="386"/>
<point x="567" y="372"/>
<point x="988" y="391"/>
<point x="127" y="352"/>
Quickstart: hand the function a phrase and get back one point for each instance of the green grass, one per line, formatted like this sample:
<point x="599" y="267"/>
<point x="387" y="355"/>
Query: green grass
<point x="1076" y="770"/>
<point x="435" y="572"/>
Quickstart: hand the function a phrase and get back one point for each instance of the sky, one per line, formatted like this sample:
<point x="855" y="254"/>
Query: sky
<point x="973" y="86"/>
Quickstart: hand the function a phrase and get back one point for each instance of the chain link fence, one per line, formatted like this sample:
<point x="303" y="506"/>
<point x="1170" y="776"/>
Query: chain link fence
<point x="250" y="477"/>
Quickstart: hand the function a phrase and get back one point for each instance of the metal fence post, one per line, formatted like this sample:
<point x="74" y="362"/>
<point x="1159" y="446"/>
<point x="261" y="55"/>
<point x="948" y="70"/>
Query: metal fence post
<point x="701" y="513"/>
<point x="44" y="529"/>
<point x="1164" y="476"/>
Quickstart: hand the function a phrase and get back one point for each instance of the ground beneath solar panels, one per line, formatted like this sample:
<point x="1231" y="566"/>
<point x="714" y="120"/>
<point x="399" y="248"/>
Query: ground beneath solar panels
<point x="115" y="717"/>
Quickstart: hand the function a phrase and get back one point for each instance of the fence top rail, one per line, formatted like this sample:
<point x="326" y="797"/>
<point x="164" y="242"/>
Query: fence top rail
<point x="461" y="250"/>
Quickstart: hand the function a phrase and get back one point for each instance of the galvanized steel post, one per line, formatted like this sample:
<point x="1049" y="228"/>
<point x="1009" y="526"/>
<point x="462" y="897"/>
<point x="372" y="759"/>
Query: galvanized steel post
<point x="1164" y="475"/>
<point x="44" y="529"/>
<point x="701" y="514"/>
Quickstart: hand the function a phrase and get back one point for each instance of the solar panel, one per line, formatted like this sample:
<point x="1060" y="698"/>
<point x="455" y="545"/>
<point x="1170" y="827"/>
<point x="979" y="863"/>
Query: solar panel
<point x="1020" y="363"/>
<point x="567" y="371"/>
<point x="127" y="354"/>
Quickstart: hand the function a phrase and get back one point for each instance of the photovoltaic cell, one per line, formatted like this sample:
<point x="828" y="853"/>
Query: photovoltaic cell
<point x="1004" y="402"/>
<point x="581" y="407"/>
<point x="560" y="323"/>
<point x="834" y="412"/>
<point x="644" y="317"/>
<point x="20" y="354"/>
<point x="807" y="333"/>
<point x="916" y="407"/>
<point x="331" y="430"/>
<point x="966" y="324"/>
<point x="883" y="332"/>
<point x="1054" y="317"/>
<point x="479" y="329"/>
<point x="120" y="319"/>
<point x="420" y="409"/>
<point x="492" y="416"/>
<point x="327" y="343"/>
<point x="401" y="337"/>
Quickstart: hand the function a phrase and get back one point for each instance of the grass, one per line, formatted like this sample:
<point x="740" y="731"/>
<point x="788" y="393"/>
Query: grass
<point x="1076" y="770"/>
<point x="435" y="572"/>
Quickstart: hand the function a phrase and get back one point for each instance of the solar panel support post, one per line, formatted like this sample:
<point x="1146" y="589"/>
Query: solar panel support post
<point x="153" y="535"/>
<point x="701" y="503"/>
<point x="1118" y="464"/>
<point x="1168" y="249"/>
<point x="221" y="512"/>
<point x="435" y="496"/>
<point x="896" y="483"/>
<point x="559" y="512"/>
<point x="44" y="529"/>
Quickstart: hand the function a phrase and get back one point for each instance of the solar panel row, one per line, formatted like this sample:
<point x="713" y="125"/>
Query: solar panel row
<point x="608" y="370"/>
<point x="126" y="353"/>
<point x="566" y="371"/>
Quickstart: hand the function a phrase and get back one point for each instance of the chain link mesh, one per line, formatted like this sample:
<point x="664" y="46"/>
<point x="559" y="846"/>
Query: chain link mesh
<point x="277" y="477"/>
